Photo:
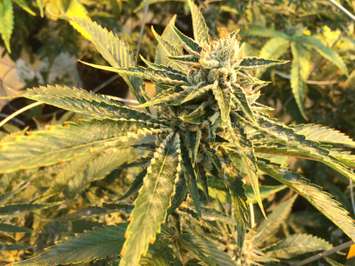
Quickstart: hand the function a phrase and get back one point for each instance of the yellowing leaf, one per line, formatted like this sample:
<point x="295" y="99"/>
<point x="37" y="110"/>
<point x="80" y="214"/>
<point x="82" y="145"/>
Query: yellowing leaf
<point x="154" y="199"/>
<point x="6" y="22"/>
<point x="199" y="24"/>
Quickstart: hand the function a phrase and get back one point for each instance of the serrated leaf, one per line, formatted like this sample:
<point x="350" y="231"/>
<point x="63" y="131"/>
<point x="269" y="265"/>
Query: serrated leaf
<point x="269" y="226"/>
<point x="62" y="143"/>
<point x="257" y="62"/>
<point x="115" y="51"/>
<point x="83" y="102"/>
<point x="320" y="133"/>
<point x="324" y="51"/>
<point x="321" y="200"/>
<point x="189" y="44"/>
<point x="294" y="144"/>
<point x="274" y="48"/>
<point x="240" y="99"/>
<point x="223" y="99"/>
<point x="154" y="199"/>
<point x="199" y="24"/>
<point x="7" y="22"/>
<point x="74" y="11"/>
<point x="158" y="76"/>
<point x="83" y="248"/>
<point x="297" y="83"/>
<point x="193" y="93"/>
<point x="166" y="96"/>
<point x="168" y="45"/>
<point x="75" y="176"/>
<point x="296" y="245"/>
<point x="204" y="249"/>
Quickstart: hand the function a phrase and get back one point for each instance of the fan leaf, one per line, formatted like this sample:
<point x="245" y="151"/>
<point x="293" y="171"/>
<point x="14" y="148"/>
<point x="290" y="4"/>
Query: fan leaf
<point x="296" y="245"/>
<point x="84" y="102"/>
<point x="324" y="51"/>
<point x="62" y="143"/>
<point x="314" y="195"/>
<point x="83" y="248"/>
<point x="153" y="201"/>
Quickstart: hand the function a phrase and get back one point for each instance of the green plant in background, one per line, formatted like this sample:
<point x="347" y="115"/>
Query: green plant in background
<point x="54" y="9"/>
<point x="203" y="143"/>
<point x="301" y="46"/>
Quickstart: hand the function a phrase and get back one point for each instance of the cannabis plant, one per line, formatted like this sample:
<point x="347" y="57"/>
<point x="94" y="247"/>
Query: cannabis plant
<point x="301" y="46"/>
<point x="204" y="131"/>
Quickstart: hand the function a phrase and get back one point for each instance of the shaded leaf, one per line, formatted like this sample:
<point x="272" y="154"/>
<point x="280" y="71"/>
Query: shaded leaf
<point x="96" y="244"/>
<point x="321" y="200"/>
<point x="297" y="84"/>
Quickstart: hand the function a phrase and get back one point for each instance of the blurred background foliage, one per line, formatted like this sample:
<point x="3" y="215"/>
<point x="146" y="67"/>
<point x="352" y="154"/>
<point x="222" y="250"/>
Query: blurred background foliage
<point x="38" y="46"/>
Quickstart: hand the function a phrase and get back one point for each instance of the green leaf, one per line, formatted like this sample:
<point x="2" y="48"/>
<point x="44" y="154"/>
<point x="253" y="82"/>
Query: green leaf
<point x="12" y="247"/>
<point x="83" y="248"/>
<point x="223" y="99"/>
<point x="323" y="134"/>
<point x="321" y="200"/>
<point x="189" y="44"/>
<point x="265" y="32"/>
<point x="154" y="199"/>
<point x="269" y="226"/>
<point x="297" y="84"/>
<point x="74" y="10"/>
<point x="274" y="48"/>
<point x="199" y="24"/>
<point x="296" y="245"/>
<point x="169" y="95"/>
<point x="324" y="51"/>
<point x="6" y="22"/>
<point x="205" y="249"/>
<point x="75" y="176"/>
<point x="115" y="51"/>
<point x="290" y="143"/>
<point x="62" y="143"/>
<point x="22" y="208"/>
<point x="257" y="62"/>
<point x="25" y="6"/>
<point x="193" y="93"/>
<point x="13" y="228"/>
<point x="83" y="102"/>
